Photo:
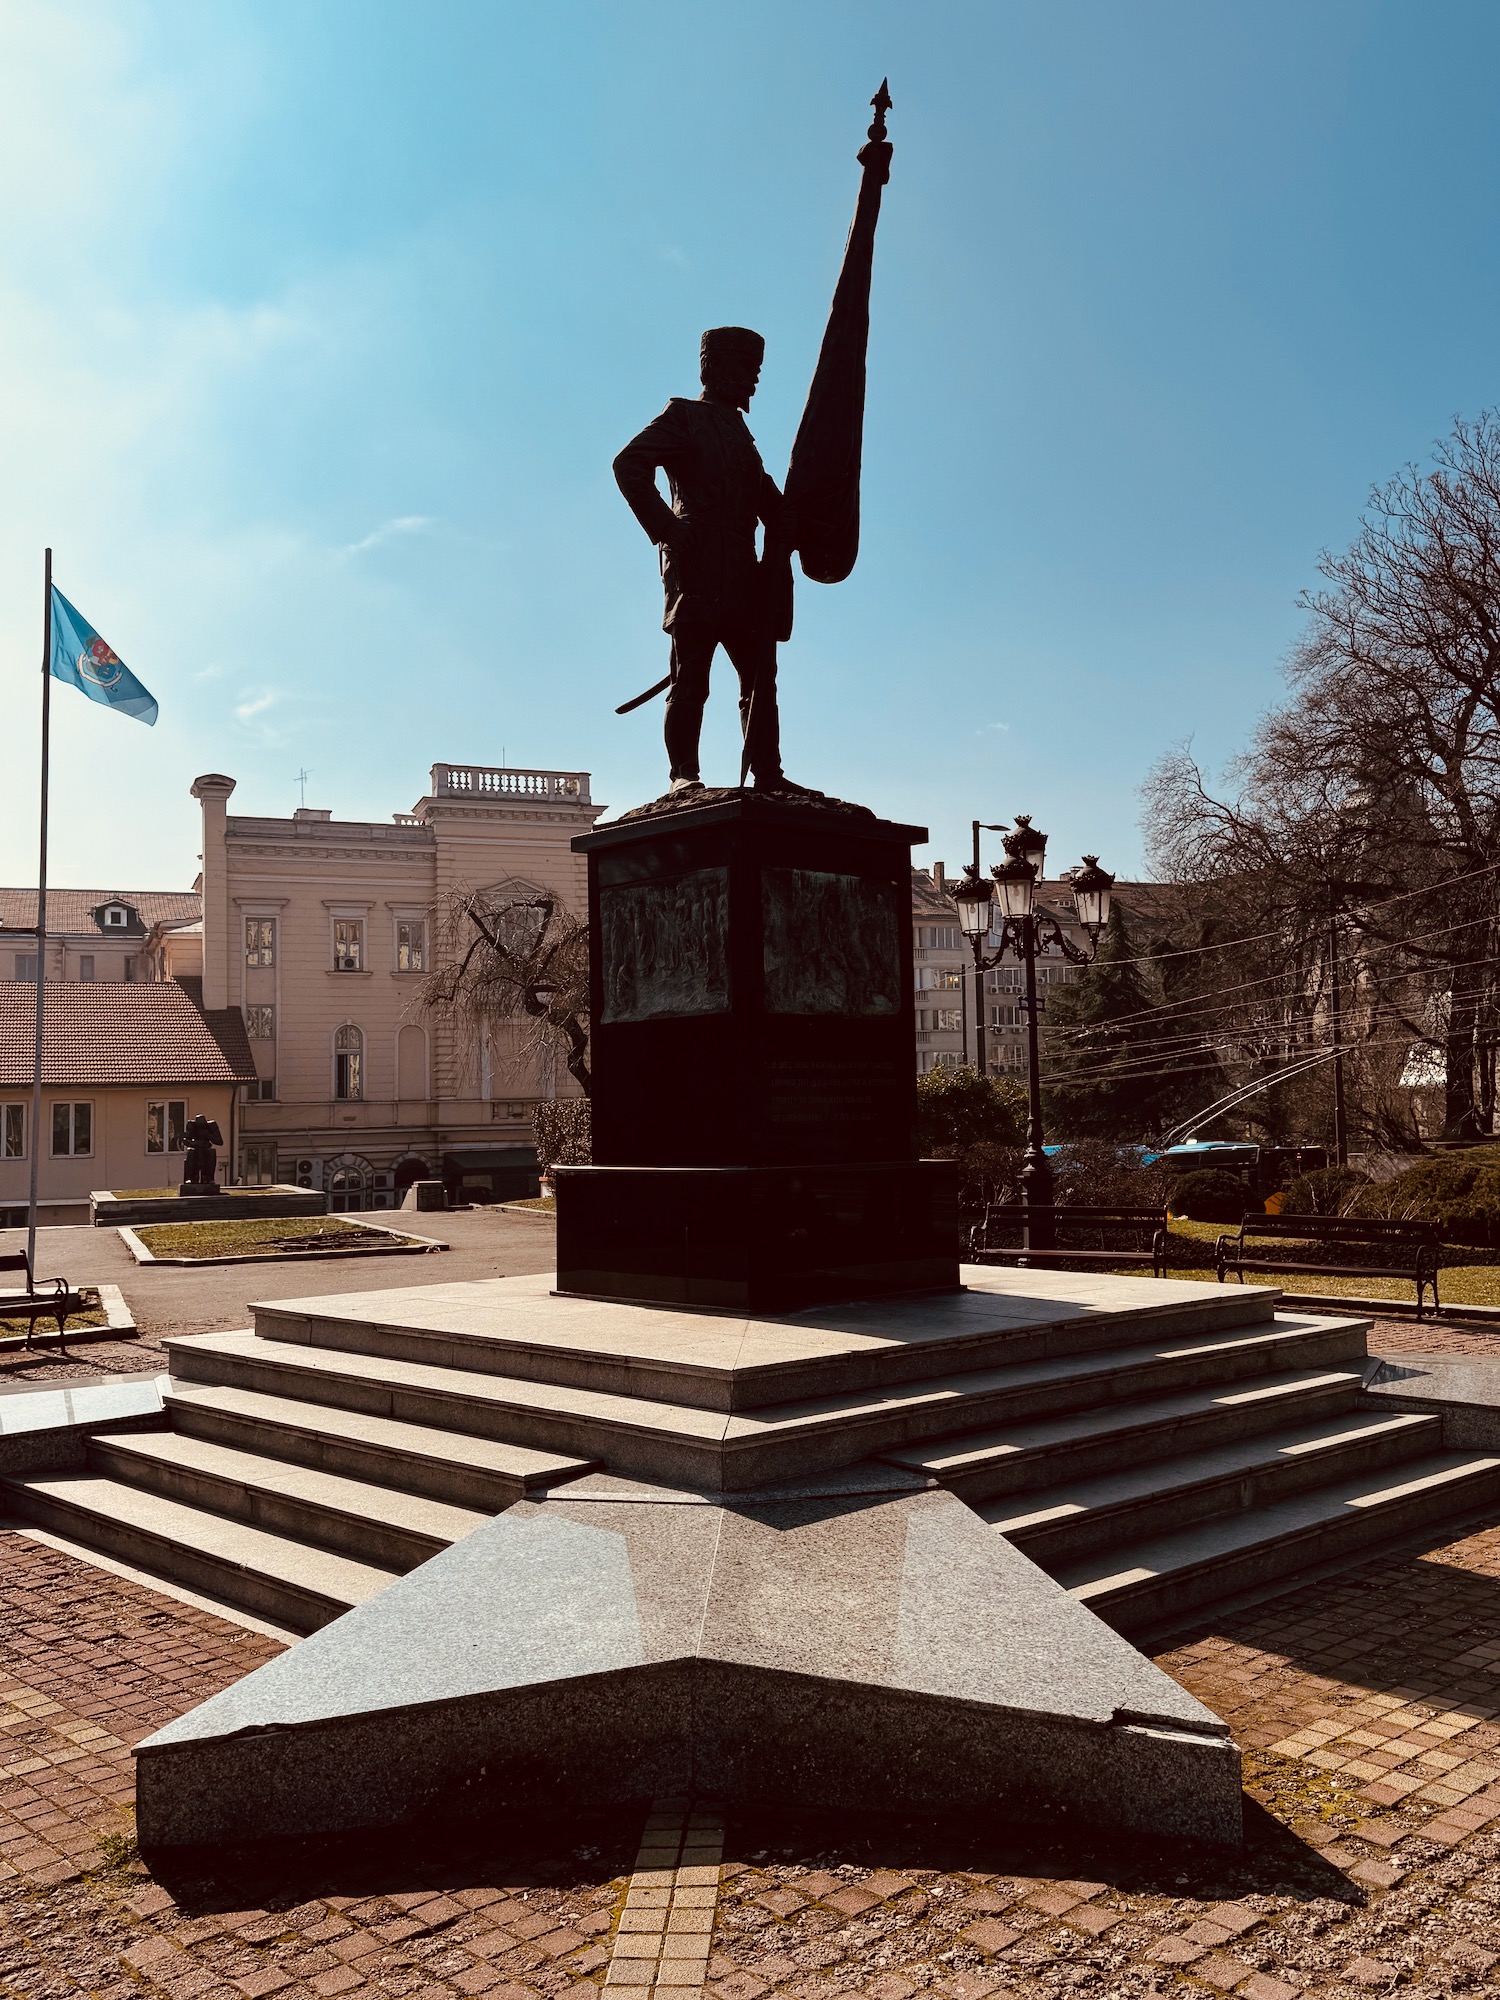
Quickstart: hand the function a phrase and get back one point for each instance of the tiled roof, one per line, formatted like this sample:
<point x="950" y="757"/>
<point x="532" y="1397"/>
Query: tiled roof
<point x="121" y="1033"/>
<point x="70" y="912"/>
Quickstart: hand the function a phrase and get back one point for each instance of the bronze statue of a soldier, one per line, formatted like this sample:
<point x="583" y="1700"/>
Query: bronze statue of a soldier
<point x="717" y="591"/>
<point x="200" y="1137"/>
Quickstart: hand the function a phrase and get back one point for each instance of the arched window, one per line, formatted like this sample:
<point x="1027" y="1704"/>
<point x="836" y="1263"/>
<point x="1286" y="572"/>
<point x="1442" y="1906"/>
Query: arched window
<point x="348" y="1062"/>
<point x="348" y="1181"/>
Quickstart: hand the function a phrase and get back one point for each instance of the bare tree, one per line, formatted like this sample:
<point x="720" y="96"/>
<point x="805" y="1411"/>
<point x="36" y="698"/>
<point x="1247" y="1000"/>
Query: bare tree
<point x="1370" y="798"/>
<point x="512" y="955"/>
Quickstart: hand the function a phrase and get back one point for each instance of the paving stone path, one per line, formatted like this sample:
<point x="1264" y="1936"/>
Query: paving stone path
<point x="1368" y="1706"/>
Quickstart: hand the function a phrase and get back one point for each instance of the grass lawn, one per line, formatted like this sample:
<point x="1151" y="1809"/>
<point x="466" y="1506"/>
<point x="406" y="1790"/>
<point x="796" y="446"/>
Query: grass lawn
<point x="93" y="1315"/>
<point x="261" y="1236"/>
<point x="546" y="1202"/>
<point x="1458" y="1284"/>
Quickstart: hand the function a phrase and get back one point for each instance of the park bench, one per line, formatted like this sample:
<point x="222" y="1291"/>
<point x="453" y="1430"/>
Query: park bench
<point x="55" y="1302"/>
<point x="1411" y="1249"/>
<point x="1004" y="1218"/>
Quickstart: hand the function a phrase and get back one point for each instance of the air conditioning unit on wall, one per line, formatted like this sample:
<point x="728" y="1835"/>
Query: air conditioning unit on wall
<point x="310" y="1173"/>
<point x="383" y="1191"/>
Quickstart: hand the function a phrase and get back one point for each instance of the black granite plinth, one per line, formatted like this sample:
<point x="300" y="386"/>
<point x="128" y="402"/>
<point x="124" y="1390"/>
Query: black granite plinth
<point x="757" y="1239"/>
<point x="753" y="1060"/>
<point x="751" y="987"/>
<point x="198" y="1190"/>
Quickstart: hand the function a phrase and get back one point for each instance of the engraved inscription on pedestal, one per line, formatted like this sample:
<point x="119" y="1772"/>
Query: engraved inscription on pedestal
<point x="832" y="943"/>
<point x="818" y="1092"/>
<point x="664" y="947"/>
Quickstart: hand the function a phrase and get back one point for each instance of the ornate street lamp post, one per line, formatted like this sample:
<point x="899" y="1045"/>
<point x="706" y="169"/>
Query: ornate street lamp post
<point x="1031" y="933"/>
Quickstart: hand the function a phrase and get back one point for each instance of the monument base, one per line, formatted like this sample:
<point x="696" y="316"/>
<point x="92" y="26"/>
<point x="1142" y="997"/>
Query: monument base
<point x="758" y="1239"/>
<point x="198" y="1189"/>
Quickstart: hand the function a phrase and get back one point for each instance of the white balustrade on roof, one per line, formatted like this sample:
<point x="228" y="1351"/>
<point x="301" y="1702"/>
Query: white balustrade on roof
<point x="506" y="782"/>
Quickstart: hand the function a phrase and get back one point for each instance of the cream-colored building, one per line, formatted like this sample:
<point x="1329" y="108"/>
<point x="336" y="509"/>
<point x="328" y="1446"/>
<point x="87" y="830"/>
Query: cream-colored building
<point x="125" y="1066"/>
<point x="319" y="932"/>
<point x="94" y="936"/>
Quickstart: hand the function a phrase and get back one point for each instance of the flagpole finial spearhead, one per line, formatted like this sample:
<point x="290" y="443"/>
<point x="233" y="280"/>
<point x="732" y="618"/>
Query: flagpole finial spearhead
<point x="882" y="103"/>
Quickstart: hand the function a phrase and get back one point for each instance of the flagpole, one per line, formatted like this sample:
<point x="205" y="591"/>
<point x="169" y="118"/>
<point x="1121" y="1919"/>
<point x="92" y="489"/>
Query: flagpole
<point x="41" y="915"/>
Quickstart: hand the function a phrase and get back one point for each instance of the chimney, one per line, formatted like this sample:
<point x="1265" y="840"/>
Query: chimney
<point x="213" y="790"/>
<point x="939" y="878"/>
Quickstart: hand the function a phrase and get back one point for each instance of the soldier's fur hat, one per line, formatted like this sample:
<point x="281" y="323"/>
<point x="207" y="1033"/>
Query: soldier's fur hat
<point x="726" y="340"/>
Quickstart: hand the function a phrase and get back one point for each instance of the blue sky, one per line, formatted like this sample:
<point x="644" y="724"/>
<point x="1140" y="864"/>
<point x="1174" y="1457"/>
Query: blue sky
<point x="320" y="324"/>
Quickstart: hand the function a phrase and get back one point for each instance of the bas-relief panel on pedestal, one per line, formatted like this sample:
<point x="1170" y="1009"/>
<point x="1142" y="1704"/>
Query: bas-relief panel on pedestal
<point x="832" y="944"/>
<point x="665" y="947"/>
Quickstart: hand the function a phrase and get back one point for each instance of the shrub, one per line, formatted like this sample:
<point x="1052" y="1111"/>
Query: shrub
<point x="1325" y="1191"/>
<point x="1458" y="1191"/>
<point x="564" y="1133"/>
<point x="1207" y="1196"/>
<point x="958" y="1108"/>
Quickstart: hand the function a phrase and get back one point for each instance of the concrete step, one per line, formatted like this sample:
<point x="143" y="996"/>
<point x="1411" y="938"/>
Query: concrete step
<point x="517" y="1328"/>
<point x="464" y="1470"/>
<point x="717" y="1451"/>
<point x="1065" y="1522"/>
<point x="275" y="1577"/>
<point x="1089" y="1443"/>
<point x="374" y="1524"/>
<point x="1135" y="1585"/>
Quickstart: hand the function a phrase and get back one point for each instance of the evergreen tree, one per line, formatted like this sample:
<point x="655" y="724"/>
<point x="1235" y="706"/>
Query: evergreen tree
<point x="1116" y="1066"/>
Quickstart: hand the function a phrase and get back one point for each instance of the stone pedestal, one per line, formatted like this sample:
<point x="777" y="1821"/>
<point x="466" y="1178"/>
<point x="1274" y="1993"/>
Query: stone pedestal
<point x="754" y="1091"/>
<point x="198" y="1190"/>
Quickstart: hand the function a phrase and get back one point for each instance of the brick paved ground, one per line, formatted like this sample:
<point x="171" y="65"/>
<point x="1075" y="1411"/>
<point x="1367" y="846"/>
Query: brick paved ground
<point x="1368" y="1706"/>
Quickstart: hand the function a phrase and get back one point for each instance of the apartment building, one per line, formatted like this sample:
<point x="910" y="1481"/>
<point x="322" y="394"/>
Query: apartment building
<point x="320" y="933"/>
<point x="94" y="936"/>
<point x="944" y="972"/>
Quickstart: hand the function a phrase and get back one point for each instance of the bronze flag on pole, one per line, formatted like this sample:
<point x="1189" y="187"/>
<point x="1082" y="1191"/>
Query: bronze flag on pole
<point x="822" y="481"/>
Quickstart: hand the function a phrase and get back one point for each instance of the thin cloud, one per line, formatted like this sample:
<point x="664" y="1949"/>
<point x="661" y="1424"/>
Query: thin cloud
<point x="402" y="524"/>
<point x="257" y="705"/>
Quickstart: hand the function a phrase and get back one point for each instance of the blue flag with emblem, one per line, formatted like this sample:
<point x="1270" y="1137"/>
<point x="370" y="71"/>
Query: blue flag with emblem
<point x="87" y="662"/>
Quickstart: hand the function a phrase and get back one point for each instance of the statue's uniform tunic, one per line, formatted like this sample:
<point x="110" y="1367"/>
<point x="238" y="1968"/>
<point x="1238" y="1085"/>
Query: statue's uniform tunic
<point x="716" y="593"/>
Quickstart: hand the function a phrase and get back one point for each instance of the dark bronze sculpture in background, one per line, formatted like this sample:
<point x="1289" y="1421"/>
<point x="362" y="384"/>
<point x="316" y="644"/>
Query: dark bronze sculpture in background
<point x="199" y="1159"/>
<point x="718" y="591"/>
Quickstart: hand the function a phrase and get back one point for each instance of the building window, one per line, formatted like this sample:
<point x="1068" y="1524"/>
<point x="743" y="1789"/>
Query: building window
<point x="260" y="1023"/>
<point x="166" y="1119"/>
<point x="13" y="1132"/>
<point x="940" y="937"/>
<point x="85" y="968"/>
<point x="411" y="946"/>
<point x="948" y="1020"/>
<point x="348" y="944"/>
<point x="130" y="965"/>
<point x="26" y="965"/>
<point x="1005" y="1017"/>
<point x="261" y="1090"/>
<point x="260" y="940"/>
<point x="114" y="918"/>
<point x="349" y="1179"/>
<point x="72" y="1130"/>
<point x="948" y="982"/>
<point x="260" y="1163"/>
<point x="348" y="1063"/>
